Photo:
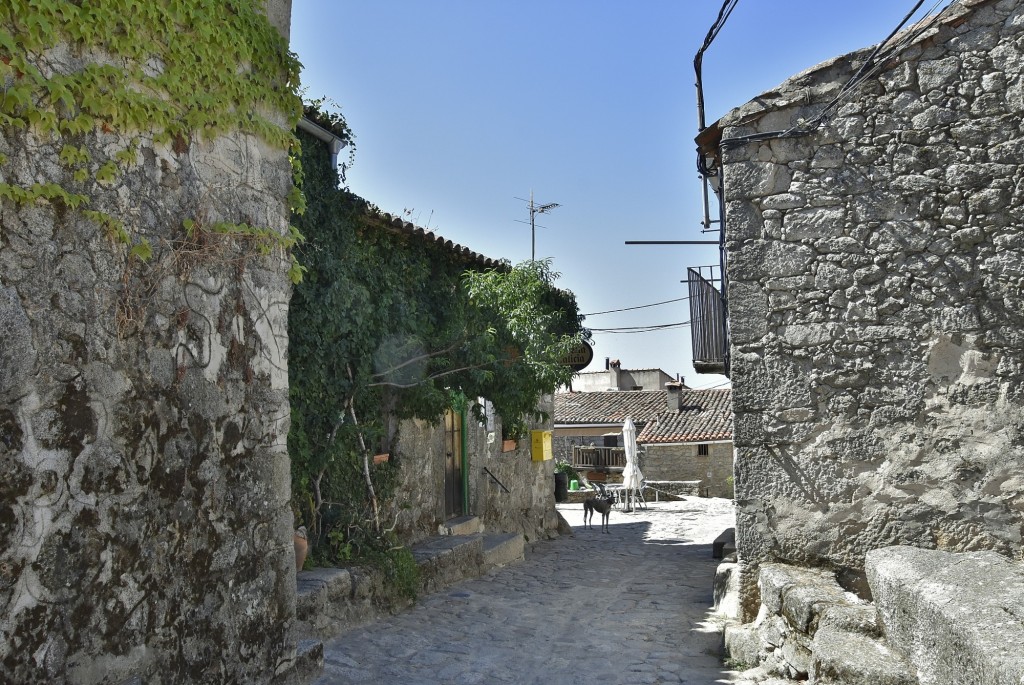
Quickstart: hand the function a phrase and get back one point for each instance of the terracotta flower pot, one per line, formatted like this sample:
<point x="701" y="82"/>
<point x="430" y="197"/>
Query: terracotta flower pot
<point x="301" y="548"/>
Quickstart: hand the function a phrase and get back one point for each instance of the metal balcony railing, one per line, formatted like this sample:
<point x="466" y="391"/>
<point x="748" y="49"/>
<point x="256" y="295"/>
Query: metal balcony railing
<point x="707" y="322"/>
<point x="598" y="458"/>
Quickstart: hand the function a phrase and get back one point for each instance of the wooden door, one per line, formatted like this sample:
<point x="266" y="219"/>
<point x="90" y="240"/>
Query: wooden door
<point x="453" y="488"/>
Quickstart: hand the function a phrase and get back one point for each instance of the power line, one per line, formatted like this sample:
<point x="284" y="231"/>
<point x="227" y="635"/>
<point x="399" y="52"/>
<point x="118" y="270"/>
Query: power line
<point x="874" y="62"/>
<point x="642" y="306"/>
<point x="712" y="387"/>
<point x="641" y="329"/>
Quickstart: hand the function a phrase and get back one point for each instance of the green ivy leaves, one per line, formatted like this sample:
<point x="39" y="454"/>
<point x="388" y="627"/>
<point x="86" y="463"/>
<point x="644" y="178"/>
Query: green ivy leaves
<point x="172" y="69"/>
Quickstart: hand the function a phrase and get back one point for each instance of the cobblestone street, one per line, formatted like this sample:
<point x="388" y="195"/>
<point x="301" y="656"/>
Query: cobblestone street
<point x="626" y="607"/>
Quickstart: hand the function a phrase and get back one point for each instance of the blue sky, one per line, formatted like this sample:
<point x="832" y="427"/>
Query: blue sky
<point x="461" y="106"/>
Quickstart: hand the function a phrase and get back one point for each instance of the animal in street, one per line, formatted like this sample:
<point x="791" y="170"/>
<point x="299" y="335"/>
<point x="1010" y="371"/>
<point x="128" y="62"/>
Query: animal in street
<point x="603" y="505"/>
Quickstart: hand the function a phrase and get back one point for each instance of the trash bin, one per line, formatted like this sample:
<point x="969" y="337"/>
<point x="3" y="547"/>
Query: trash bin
<point x="561" y="487"/>
<point x="574" y="485"/>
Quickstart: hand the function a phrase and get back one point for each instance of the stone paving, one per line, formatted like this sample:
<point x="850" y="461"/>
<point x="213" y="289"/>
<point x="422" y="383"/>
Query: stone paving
<point x="629" y="606"/>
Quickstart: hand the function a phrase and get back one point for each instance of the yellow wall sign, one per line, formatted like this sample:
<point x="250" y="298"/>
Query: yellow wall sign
<point x="540" y="445"/>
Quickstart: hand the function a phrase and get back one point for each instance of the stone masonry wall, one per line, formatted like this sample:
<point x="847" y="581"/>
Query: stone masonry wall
<point x="681" y="462"/>
<point x="529" y="507"/>
<point x="145" y="532"/>
<point x="877" y="304"/>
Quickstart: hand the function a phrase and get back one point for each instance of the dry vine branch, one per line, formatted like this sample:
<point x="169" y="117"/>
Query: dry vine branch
<point x="413" y="360"/>
<point x="365" y="454"/>
<point x="431" y="377"/>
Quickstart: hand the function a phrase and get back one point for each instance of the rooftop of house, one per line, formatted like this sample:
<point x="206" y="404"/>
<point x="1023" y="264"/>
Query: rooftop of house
<point x="609" y="407"/>
<point x="703" y="416"/>
<point x="625" y="370"/>
<point x="395" y="224"/>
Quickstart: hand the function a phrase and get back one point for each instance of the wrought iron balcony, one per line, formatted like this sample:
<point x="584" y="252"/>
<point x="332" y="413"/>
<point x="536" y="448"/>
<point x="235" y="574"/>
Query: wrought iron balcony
<point x="708" y="323"/>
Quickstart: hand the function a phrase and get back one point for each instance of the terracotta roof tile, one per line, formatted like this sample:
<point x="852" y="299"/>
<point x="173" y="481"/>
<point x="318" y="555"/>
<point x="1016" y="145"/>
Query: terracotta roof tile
<point x="397" y="225"/>
<point x="705" y="415"/>
<point x="609" y="406"/>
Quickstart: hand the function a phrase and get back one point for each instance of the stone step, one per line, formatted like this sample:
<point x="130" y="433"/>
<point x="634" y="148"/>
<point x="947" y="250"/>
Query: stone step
<point x="841" y="657"/>
<point x="502" y="549"/>
<point x="309" y="660"/>
<point x="727" y="590"/>
<point x="447" y="559"/>
<point x="307" y="665"/>
<point x="958" y="617"/>
<point x="462" y="525"/>
<point x="330" y="600"/>
<point x="724" y="544"/>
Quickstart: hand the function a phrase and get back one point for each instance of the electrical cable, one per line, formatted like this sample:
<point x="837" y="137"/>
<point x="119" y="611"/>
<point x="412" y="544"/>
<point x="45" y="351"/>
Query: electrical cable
<point x="641" y="329"/>
<point x="642" y="306"/>
<point x="712" y="387"/>
<point x="698" y="62"/>
<point x="879" y="56"/>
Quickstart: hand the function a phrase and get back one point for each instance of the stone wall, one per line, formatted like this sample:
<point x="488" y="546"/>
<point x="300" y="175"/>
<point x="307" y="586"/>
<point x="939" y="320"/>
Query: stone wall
<point x="418" y="503"/>
<point x="938" y="617"/>
<point x="680" y="462"/>
<point x="145" y="531"/>
<point x="877" y="304"/>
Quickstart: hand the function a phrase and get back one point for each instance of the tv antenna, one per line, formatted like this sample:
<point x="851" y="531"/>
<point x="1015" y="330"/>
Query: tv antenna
<point x="535" y="209"/>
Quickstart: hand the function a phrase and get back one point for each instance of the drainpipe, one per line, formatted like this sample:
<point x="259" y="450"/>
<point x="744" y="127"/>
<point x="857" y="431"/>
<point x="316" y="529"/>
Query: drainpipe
<point x="462" y="459"/>
<point x="334" y="143"/>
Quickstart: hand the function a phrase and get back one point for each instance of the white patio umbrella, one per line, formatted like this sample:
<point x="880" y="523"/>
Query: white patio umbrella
<point x="631" y="476"/>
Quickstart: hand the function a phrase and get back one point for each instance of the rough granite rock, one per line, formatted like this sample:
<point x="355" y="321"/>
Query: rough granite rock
<point x="959" y="618"/>
<point x="876" y="289"/>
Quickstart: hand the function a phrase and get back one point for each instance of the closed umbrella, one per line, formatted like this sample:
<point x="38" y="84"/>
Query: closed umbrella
<point x="631" y="476"/>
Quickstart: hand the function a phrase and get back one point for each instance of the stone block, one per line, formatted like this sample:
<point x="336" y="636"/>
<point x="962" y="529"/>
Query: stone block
<point x="957" y="618"/>
<point x="727" y="589"/>
<point x="813" y="223"/>
<point x="851" y="618"/>
<point x="804" y="602"/>
<point x="776" y="580"/>
<point x="851" y="658"/>
<point x="462" y="525"/>
<point x="796" y="655"/>
<point x="318" y="588"/>
<point x="748" y="312"/>
<point x="447" y="560"/>
<point x="758" y="179"/>
<point x="724" y="543"/>
<point x="502" y="549"/>
<point x="307" y="665"/>
<point x="743" y="644"/>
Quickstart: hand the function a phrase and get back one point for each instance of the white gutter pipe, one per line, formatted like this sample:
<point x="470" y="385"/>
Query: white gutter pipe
<point x="334" y="143"/>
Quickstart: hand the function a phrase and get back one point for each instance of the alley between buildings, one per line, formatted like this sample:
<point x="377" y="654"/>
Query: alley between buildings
<point x="629" y="606"/>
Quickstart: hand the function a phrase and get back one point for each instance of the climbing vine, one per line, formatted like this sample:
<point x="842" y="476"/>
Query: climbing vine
<point x="388" y="326"/>
<point x="125" y="73"/>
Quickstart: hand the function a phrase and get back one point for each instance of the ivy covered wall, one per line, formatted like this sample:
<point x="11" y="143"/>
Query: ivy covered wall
<point x="145" y="192"/>
<point x="388" y="326"/>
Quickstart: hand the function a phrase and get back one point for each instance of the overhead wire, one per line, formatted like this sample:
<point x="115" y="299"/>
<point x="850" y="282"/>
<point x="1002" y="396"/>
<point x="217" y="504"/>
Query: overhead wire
<point x="698" y="61"/>
<point x="712" y="387"/>
<point x="641" y="329"/>
<point x="882" y="53"/>
<point x="642" y="306"/>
